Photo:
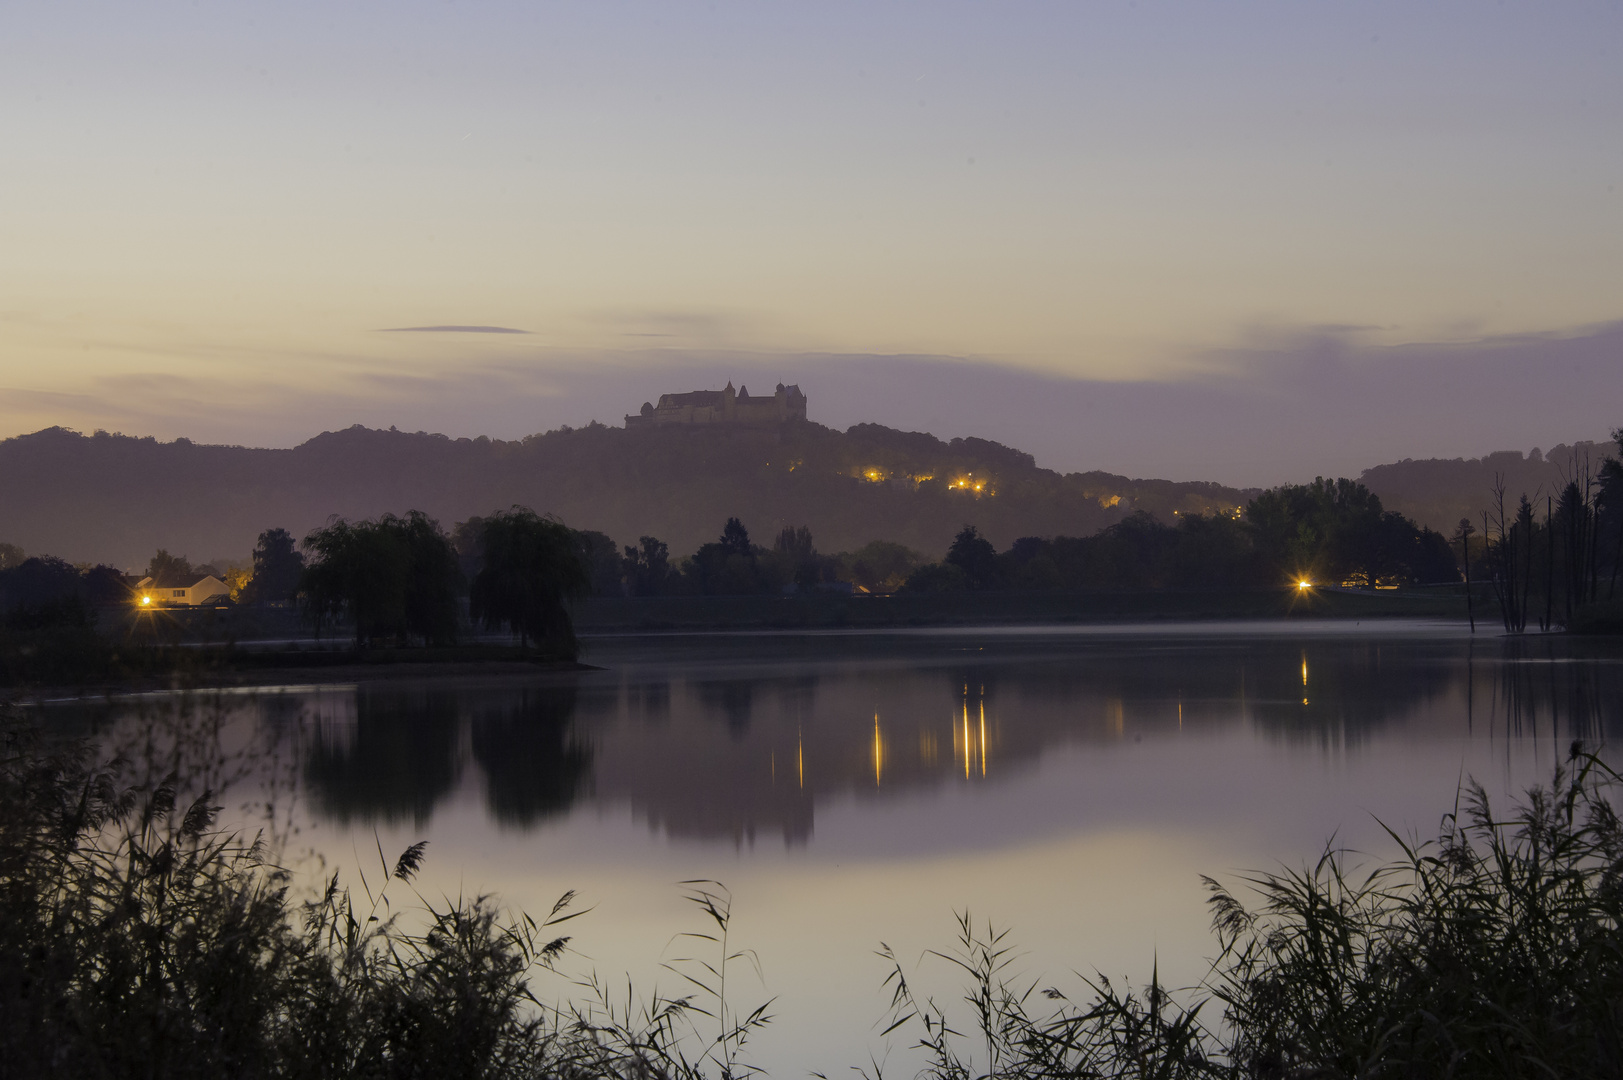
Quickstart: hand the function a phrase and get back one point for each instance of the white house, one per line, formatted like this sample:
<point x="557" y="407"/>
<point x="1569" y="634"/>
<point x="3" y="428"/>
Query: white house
<point x="189" y="590"/>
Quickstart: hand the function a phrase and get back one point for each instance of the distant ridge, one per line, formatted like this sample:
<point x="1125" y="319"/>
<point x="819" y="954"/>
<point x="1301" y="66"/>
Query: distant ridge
<point x="118" y="498"/>
<point x="1438" y="492"/>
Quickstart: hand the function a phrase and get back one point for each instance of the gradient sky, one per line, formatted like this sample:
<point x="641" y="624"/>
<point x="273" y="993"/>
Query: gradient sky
<point x="1290" y="216"/>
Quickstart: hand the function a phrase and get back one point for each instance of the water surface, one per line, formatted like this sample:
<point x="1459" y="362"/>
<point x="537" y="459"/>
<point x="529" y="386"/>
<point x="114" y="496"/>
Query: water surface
<point x="853" y="789"/>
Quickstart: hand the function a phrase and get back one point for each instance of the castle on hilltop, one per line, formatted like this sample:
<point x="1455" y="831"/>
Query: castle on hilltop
<point x="722" y="407"/>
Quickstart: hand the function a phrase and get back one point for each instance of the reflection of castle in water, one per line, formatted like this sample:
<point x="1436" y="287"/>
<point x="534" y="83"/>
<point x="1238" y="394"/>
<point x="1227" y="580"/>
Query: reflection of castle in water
<point x="719" y="751"/>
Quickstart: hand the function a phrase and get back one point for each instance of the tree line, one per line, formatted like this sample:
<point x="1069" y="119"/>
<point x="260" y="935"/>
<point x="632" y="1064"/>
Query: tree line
<point x="1552" y="556"/>
<point x="398" y="579"/>
<point x="1329" y="531"/>
<point x="401" y="579"/>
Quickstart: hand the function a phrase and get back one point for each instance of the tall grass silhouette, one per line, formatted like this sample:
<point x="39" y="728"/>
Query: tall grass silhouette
<point x="137" y="939"/>
<point x="1492" y="951"/>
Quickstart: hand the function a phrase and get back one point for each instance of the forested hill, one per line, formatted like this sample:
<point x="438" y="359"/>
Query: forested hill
<point x="118" y="498"/>
<point x="1438" y="492"/>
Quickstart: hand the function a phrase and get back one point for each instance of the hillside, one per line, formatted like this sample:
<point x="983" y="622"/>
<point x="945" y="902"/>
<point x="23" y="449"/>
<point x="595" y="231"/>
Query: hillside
<point x="118" y="498"/>
<point x="1438" y="492"/>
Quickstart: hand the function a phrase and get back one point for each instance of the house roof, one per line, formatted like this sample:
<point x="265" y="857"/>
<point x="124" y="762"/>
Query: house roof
<point x="181" y="581"/>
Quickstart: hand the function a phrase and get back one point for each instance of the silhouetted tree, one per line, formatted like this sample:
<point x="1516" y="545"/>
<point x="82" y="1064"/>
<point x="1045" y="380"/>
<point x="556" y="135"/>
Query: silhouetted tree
<point x="277" y="568"/>
<point x="532" y="565"/>
<point x="795" y="560"/>
<point x="466" y="539"/>
<point x="10" y="555"/>
<point x="1134" y="553"/>
<point x="1510" y="557"/>
<point x="1575" y="538"/>
<point x="1610" y="511"/>
<point x="45" y="592"/>
<point x="395" y="577"/>
<point x="42" y="591"/>
<point x="735" y="539"/>
<point x="1215" y="551"/>
<point x="726" y="567"/>
<point x="936" y="578"/>
<point x="647" y="568"/>
<point x="167" y="567"/>
<point x="435" y="579"/>
<point x="103" y="587"/>
<point x="975" y="557"/>
<point x="881" y="566"/>
<point x="1337" y="531"/>
<point x="795" y="542"/>
<point x="602" y="561"/>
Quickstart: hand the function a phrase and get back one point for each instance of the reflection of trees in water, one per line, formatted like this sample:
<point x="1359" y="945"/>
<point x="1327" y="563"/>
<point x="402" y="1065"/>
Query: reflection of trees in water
<point x="396" y="761"/>
<point x="737" y="754"/>
<point x="649" y="700"/>
<point x="728" y="753"/>
<point x="733" y="699"/>
<point x="1534" y="687"/>
<point x="686" y="773"/>
<point x="534" y="766"/>
<point x="403" y="752"/>
<point x="1346" y="691"/>
<point x="1318" y="690"/>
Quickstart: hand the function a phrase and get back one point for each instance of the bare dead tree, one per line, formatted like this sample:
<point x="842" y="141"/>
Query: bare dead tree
<point x="1502" y="561"/>
<point x="1549" y="565"/>
<point x="1463" y="535"/>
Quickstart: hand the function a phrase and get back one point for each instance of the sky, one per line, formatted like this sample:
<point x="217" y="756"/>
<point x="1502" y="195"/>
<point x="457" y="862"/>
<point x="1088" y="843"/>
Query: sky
<point x="1245" y="242"/>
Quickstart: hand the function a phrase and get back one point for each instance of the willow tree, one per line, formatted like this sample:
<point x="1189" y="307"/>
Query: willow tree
<point x="531" y="566"/>
<point x="395" y="578"/>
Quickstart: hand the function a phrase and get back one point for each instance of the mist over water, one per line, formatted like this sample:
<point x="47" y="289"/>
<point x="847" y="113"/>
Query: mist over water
<point x="1072" y="783"/>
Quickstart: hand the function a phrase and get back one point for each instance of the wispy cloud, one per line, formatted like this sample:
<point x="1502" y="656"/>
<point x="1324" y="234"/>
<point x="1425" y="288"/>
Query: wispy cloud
<point x="451" y="330"/>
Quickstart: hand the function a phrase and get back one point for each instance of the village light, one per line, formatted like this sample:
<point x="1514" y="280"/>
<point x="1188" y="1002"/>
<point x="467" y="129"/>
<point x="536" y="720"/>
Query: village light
<point x="1303" y="585"/>
<point x="145" y="600"/>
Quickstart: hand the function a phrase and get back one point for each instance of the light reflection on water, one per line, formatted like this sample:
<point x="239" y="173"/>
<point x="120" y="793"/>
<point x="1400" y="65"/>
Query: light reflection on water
<point x="853" y="788"/>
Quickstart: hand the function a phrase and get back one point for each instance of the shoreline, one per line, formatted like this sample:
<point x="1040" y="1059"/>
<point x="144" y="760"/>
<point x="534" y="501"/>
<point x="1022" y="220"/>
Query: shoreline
<point x="239" y="670"/>
<point x="599" y="615"/>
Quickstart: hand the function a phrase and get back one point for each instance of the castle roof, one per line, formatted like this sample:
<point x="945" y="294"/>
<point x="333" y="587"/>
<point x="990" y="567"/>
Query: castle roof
<point x="696" y="397"/>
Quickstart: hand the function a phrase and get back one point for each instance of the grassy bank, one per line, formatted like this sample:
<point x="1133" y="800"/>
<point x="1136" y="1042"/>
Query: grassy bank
<point x="104" y="668"/>
<point x="602" y="614"/>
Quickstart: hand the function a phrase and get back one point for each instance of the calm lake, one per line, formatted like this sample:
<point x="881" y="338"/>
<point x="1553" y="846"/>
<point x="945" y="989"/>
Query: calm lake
<point x="1071" y="784"/>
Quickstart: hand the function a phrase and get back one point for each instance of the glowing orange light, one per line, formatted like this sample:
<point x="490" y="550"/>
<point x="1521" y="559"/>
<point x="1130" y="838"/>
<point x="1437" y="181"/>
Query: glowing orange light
<point x="1303" y="585"/>
<point x="146" y="600"/>
<point x="878" y="751"/>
